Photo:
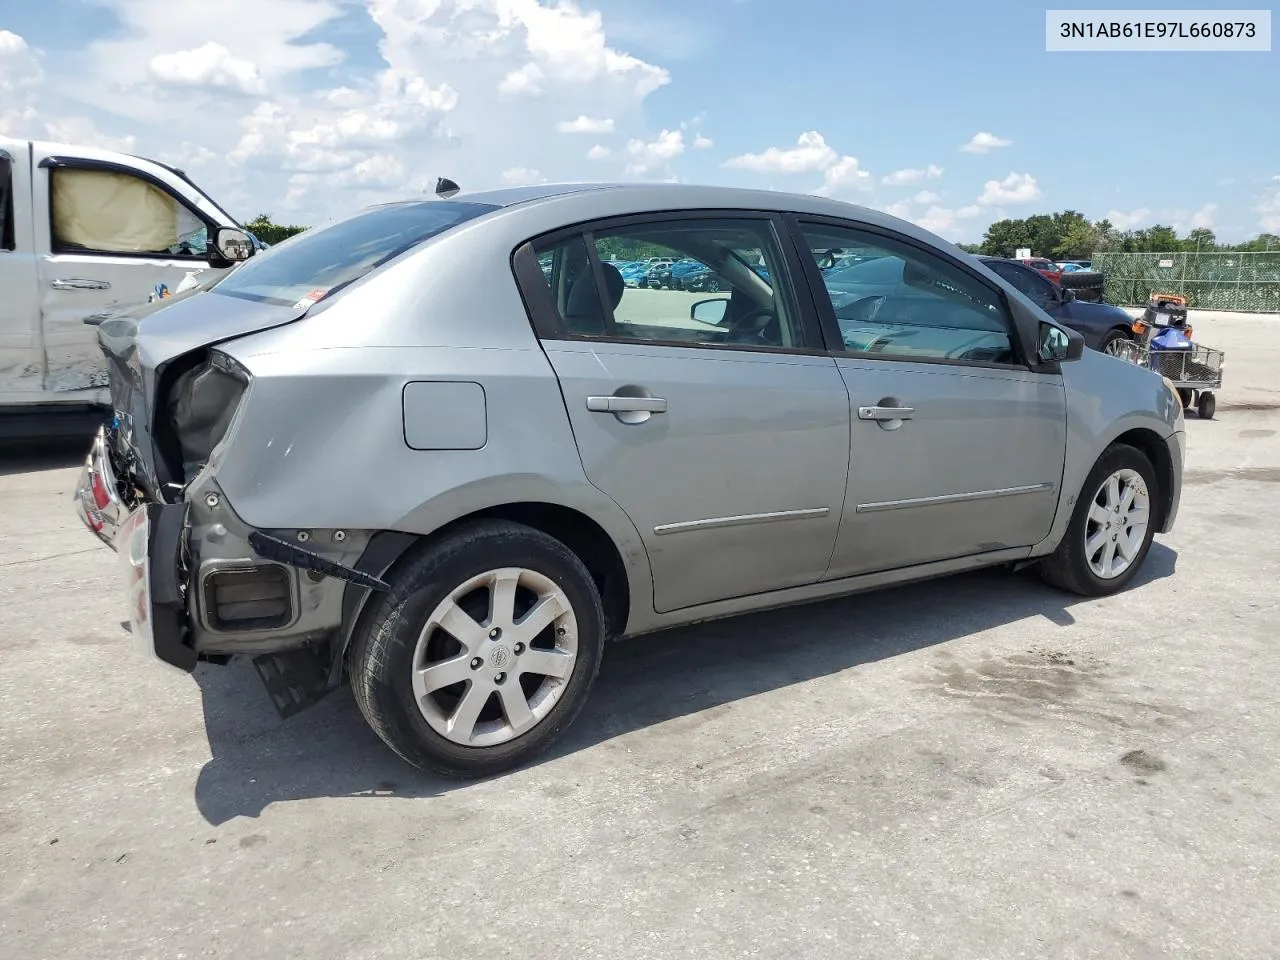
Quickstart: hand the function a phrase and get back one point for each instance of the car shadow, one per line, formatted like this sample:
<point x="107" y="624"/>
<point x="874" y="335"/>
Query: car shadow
<point x="329" y="751"/>
<point x="36" y="456"/>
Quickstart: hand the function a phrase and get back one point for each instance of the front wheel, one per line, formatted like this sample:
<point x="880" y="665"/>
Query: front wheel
<point x="1111" y="529"/>
<point x="1206" y="407"/>
<point x="482" y="653"/>
<point x="1116" y="344"/>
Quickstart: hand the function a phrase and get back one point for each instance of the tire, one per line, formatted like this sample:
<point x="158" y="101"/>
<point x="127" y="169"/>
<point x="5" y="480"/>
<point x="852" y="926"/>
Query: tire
<point x="1206" y="407"/>
<point x="1114" y="342"/>
<point x="393" y="640"/>
<point x="1069" y="567"/>
<point x="1187" y="396"/>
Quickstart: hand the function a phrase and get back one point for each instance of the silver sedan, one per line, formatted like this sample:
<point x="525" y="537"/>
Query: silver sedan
<point x="443" y="449"/>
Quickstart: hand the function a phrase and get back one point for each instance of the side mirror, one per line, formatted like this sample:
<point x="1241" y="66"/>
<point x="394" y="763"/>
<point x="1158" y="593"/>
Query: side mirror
<point x="1058" y="345"/>
<point x="709" y="311"/>
<point x="233" y="244"/>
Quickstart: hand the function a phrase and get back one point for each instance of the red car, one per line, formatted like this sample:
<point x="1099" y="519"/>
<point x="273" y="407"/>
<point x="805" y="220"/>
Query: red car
<point x="1047" y="267"/>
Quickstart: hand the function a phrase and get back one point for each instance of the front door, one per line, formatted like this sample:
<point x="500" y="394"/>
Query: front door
<point x="956" y="446"/>
<point x="107" y="238"/>
<point x="712" y="420"/>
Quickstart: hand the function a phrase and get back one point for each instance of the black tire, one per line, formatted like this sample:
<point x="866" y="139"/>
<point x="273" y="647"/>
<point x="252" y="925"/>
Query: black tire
<point x="381" y="654"/>
<point x="1187" y="396"/>
<point x="1206" y="407"/>
<point x="1111" y="338"/>
<point x="1068" y="567"/>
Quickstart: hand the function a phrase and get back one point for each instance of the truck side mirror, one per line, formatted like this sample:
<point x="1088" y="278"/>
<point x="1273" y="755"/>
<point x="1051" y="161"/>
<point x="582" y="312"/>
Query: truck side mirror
<point x="233" y="244"/>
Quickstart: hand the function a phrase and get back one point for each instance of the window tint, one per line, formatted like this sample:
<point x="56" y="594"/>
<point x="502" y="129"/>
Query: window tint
<point x="108" y="211"/>
<point x="704" y="282"/>
<point x="1026" y="280"/>
<point x="904" y="302"/>
<point x="317" y="263"/>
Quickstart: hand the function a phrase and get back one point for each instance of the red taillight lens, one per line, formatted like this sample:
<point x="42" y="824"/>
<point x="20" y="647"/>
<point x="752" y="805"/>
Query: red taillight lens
<point x="100" y="494"/>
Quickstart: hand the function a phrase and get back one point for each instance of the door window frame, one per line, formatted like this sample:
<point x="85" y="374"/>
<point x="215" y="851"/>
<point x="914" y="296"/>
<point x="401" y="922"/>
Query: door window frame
<point x="54" y="164"/>
<point x="540" y="302"/>
<point x="1021" y="269"/>
<point x="1023" y="345"/>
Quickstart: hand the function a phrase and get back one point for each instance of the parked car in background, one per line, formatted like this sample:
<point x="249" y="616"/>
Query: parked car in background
<point x="281" y="483"/>
<point x="1046" y="267"/>
<point x="84" y="233"/>
<point x="1104" y="327"/>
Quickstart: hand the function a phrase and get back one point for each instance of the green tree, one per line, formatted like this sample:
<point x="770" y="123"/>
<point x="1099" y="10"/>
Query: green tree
<point x="268" y="232"/>
<point x="1004" y="237"/>
<point x="1079" y="240"/>
<point x="1200" y="240"/>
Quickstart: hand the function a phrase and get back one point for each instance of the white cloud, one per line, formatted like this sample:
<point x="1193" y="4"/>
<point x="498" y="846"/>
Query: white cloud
<point x="938" y="220"/>
<point x="910" y="175"/>
<point x="969" y="212"/>
<point x="1123" y="220"/>
<point x="378" y="170"/>
<point x="210" y="65"/>
<point x="701" y="142"/>
<point x="1015" y="188"/>
<point x="648" y="156"/>
<point x="585" y="124"/>
<point x="983" y="142"/>
<point x="901" y="210"/>
<point x="599" y="152"/>
<point x="20" y="77"/>
<point x="521" y="176"/>
<point x="81" y="131"/>
<point x="810" y="154"/>
<point x="525" y="82"/>
<point x="843" y="174"/>
<point x="1203" y="218"/>
<point x="926" y="197"/>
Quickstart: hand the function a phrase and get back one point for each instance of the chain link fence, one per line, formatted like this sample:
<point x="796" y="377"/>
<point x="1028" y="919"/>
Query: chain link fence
<point x="1248" y="282"/>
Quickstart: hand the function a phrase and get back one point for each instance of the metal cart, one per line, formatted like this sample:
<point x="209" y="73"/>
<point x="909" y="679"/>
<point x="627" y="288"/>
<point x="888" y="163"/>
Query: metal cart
<point x="1196" y="373"/>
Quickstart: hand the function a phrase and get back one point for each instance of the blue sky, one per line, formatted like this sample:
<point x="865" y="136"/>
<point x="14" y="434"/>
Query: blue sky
<point x="310" y="108"/>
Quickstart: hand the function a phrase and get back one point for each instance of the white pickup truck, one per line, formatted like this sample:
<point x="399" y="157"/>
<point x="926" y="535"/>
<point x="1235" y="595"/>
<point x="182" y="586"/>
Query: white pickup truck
<point x="86" y="233"/>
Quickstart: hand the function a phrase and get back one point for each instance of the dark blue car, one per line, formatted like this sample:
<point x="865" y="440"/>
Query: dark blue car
<point x="1103" y="326"/>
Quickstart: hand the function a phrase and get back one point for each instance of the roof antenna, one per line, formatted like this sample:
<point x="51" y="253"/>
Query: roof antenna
<point x="445" y="188"/>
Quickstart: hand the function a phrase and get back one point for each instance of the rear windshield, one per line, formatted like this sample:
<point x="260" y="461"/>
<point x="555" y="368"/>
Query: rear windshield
<point x="314" y="264"/>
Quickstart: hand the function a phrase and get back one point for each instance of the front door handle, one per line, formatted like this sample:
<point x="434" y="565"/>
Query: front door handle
<point x="617" y="404"/>
<point x="79" y="283"/>
<point x="886" y="413"/>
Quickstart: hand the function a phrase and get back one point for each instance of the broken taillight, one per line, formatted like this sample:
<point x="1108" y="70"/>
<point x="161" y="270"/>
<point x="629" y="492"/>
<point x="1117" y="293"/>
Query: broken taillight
<point x="101" y="496"/>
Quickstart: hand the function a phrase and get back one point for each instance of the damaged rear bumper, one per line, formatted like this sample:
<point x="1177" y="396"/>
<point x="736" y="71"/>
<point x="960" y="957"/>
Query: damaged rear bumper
<point x="148" y="543"/>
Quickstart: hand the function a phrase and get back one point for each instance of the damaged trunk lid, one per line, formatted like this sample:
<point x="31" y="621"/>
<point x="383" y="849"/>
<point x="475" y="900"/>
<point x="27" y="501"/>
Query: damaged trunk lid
<point x="151" y="348"/>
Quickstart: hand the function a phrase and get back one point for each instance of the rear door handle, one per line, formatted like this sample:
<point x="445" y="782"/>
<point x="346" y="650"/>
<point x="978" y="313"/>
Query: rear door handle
<point x="79" y="283"/>
<point x="886" y="413"/>
<point x="626" y="404"/>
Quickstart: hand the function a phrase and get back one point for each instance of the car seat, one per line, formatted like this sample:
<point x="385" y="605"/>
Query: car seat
<point x="583" y="312"/>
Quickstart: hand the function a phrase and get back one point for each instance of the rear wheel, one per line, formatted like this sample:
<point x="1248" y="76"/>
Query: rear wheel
<point x="1111" y="529"/>
<point x="1206" y="407"/>
<point x="482" y="653"/>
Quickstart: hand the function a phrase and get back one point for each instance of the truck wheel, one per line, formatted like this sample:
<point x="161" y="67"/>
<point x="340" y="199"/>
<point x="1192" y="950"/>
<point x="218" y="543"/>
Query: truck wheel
<point x="1111" y="529"/>
<point x="1207" y="405"/>
<point x="482" y="653"/>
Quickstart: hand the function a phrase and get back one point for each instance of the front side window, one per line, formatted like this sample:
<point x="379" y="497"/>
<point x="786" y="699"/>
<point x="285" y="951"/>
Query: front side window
<point x="317" y="263"/>
<point x="115" y="212"/>
<point x="683" y="281"/>
<point x="900" y="301"/>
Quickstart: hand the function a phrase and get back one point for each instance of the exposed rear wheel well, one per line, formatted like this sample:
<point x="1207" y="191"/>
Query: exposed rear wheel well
<point x="1153" y="445"/>
<point x="575" y="530"/>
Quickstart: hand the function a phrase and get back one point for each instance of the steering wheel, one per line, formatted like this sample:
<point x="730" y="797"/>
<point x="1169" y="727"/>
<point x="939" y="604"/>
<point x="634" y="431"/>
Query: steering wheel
<point x="751" y="326"/>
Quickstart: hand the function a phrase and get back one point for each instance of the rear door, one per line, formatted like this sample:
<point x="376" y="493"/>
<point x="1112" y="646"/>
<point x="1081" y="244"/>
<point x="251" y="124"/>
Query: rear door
<point x="716" y="421"/>
<point x="108" y="234"/>
<point x="956" y="445"/>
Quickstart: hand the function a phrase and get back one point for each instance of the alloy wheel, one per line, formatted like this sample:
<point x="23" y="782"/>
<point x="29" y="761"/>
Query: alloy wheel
<point x="494" y="657"/>
<point x="1117" y="524"/>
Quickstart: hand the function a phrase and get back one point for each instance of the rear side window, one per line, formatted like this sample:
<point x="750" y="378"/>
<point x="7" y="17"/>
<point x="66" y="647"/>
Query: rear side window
<point x="317" y="263"/>
<point x="114" y="212"/>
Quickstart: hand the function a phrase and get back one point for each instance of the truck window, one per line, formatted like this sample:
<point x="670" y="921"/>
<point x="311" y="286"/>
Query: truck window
<point x="6" y="203"/>
<point x="114" y="212"/>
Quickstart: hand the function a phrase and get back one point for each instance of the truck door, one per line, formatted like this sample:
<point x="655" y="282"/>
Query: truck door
<point x="21" y="353"/>
<point x="107" y="233"/>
